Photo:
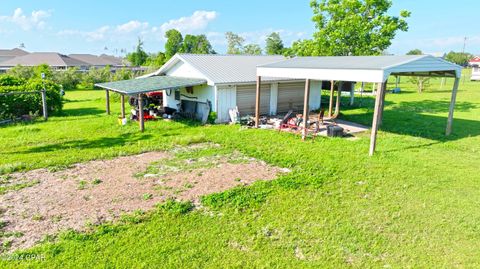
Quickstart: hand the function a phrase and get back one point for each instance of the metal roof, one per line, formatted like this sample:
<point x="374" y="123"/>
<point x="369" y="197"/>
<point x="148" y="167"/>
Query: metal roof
<point x="359" y="68"/>
<point x="221" y="69"/>
<point x="150" y="84"/>
<point x="37" y="58"/>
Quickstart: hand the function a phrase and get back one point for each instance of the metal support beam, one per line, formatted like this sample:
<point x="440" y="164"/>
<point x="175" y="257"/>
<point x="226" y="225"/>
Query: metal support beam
<point x="44" y="104"/>
<point x="122" y="104"/>
<point x="306" y="109"/>
<point x="448" y="131"/>
<point x="330" y="105"/>
<point x="257" y="102"/>
<point x="140" y="113"/>
<point x="107" y="96"/>
<point x="376" y="116"/>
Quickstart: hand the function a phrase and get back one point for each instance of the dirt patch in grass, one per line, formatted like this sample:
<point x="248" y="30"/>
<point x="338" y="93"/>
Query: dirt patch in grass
<point x="100" y="191"/>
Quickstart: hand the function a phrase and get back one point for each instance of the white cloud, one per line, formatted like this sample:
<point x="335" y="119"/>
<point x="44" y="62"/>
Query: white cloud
<point x="36" y="20"/>
<point x="95" y="35"/>
<point x="132" y="26"/>
<point x="198" y="21"/>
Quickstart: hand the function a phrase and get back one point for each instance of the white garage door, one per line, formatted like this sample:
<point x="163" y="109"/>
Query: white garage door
<point x="290" y="97"/>
<point x="246" y="99"/>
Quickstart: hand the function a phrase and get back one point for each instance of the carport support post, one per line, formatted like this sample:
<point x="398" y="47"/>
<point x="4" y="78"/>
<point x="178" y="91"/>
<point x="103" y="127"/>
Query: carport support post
<point x="452" y="106"/>
<point x="107" y="96"/>
<point x="122" y="103"/>
<point x="376" y="116"/>
<point x="382" y="90"/>
<point x="330" y="105"/>
<point x="257" y="102"/>
<point x="306" y="109"/>
<point x="140" y="113"/>
<point x="339" y="95"/>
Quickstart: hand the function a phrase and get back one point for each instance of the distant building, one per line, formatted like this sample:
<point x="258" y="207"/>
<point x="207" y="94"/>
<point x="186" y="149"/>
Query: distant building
<point x="55" y="60"/>
<point x="475" y="64"/>
<point x="8" y="54"/>
<point x="100" y="61"/>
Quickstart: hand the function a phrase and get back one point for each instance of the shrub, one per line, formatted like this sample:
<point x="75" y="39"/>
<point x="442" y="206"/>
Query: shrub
<point x="16" y="105"/>
<point x="69" y="79"/>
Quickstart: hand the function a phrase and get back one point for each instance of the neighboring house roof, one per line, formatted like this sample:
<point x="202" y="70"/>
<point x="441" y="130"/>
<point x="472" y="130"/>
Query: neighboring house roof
<point x="221" y="69"/>
<point x="7" y="54"/>
<point x="92" y="59"/>
<point x="150" y="84"/>
<point x="358" y="68"/>
<point x="115" y="60"/>
<point x="51" y="58"/>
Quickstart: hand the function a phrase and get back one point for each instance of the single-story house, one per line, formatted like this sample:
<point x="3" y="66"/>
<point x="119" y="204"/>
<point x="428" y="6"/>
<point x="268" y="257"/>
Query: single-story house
<point x="230" y="81"/>
<point x="8" y="54"/>
<point x="475" y="64"/>
<point x="55" y="60"/>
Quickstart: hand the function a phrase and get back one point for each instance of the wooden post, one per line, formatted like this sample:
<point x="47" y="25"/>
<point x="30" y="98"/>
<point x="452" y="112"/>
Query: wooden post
<point x="306" y="109"/>
<point x="382" y="90"/>
<point x="448" y="131"/>
<point x="107" y="96"/>
<point x="257" y="102"/>
<point x="330" y="106"/>
<point x="122" y="103"/>
<point x="140" y="113"/>
<point x="44" y="104"/>
<point x="339" y="95"/>
<point x="352" y="94"/>
<point x="376" y="115"/>
<point x="397" y="81"/>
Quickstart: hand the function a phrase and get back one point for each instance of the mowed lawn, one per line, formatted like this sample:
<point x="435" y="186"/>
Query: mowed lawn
<point x="414" y="204"/>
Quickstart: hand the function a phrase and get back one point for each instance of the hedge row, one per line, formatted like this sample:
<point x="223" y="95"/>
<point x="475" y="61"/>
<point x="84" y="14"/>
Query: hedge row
<point x="16" y="105"/>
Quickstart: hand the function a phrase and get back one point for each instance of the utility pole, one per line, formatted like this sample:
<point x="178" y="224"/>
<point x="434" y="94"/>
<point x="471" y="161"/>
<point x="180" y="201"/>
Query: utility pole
<point x="464" y="44"/>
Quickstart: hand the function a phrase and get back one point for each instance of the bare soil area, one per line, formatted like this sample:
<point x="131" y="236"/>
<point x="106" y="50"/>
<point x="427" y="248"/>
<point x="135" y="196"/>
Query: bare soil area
<point x="99" y="191"/>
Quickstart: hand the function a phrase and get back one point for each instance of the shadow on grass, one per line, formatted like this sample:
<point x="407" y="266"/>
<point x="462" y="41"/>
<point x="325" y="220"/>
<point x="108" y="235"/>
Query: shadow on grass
<point x="103" y="142"/>
<point x="86" y="111"/>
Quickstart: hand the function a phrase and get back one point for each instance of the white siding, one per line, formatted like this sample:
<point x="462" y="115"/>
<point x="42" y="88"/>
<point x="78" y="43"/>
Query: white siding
<point x="227" y="99"/>
<point x="202" y="93"/>
<point x="181" y="69"/>
<point x="315" y="94"/>
<point x="273" y="98"/>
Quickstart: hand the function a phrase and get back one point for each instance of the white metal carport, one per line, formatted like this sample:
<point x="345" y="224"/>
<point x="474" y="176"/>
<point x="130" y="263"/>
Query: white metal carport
<point x="374" y="69"/>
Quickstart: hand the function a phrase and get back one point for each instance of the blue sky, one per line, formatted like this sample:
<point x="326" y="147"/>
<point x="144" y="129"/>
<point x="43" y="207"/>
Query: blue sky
<point x="89" y="26"/>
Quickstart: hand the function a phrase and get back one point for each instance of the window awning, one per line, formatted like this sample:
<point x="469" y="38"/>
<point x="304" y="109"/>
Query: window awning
<point x="150" y="84"/>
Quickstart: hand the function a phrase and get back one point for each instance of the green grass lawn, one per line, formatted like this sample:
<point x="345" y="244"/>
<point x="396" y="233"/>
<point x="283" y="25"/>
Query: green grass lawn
<point x="414" y="204"/>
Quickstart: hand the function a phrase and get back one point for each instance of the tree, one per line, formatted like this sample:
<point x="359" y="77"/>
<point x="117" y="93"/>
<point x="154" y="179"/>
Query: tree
<point x="197" y="44"/>
<point x="139" y="57"/>
<point x="156" y="60"/>
<point x="460" y="58"/>
<point x="20" y="71"/>
<point x="353" y="27"/>
<point x="252" y="49"/>
<point x="234" y="43"/>
<point x="274" y="44"/>
<point x="69" y="78"/>
<point x="415" y="52"/>
<point x="44" y="69"/>
<point x="174" y="43"/>
<point x="422" y="83"/>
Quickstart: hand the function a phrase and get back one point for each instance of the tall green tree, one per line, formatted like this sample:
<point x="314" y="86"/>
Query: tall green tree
<point x="174" y="43"/>
<point x="353" y="27"/>
<point x="274" y="44"/>
<point x="415" y="52"/>
<point x="139" y="56"/>
<point x="460" y="58"/>
<point x="197" y="44"/>
<point x="252" y="49"/>
<point x="156" y="60"/>
<point x="234" y="43"/>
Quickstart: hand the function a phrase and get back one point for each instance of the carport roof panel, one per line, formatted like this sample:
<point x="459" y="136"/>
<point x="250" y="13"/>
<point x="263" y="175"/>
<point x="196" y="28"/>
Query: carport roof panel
<point x="150" y="84"/>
